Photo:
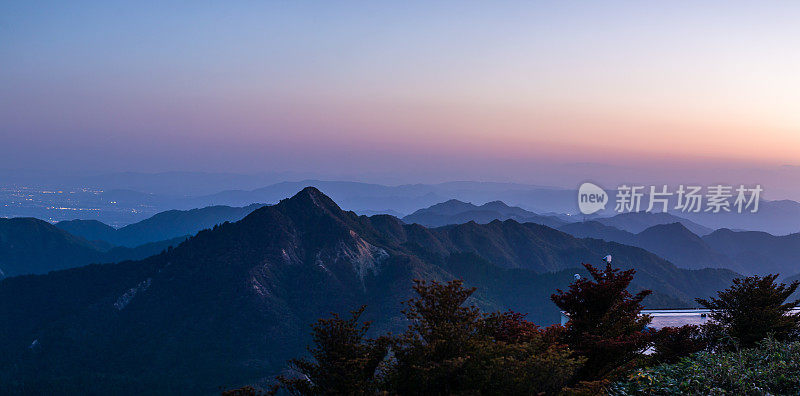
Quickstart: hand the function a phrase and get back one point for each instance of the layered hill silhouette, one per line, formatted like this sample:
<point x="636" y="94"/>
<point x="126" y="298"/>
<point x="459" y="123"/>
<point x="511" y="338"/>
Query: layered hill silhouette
<point x="159" y="227"/>
<point x="760" y="251"/>
<point x="231" y="304"/>
<point x="781" y="217"/>
<point x="403" y="198"/>
<point x="33" y="246"/>
<point x="747" y="252"/>
<point x="637" y="222"/>
<point x="673" y="242"/>
<point x="30" y="245"/>
<point x="457" y="212"/>
<point x="776" y="217"/>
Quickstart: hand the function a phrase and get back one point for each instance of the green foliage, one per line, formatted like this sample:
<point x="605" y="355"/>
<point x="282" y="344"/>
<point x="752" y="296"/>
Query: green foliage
<point x="771" y="368"/>
<point x="345" y="361"/>
<point x="754" y="308"/>
<point x="605" y="325"/>
<point x="448" y="348"/>
<point x="520" y="358"/>
<point x="433" y="355"/>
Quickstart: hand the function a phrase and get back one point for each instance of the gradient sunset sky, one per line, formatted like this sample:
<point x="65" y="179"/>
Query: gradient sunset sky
<point x="543" y="92"/>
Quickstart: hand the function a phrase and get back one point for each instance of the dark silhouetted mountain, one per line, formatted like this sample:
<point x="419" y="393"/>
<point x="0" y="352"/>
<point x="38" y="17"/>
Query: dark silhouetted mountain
<point x="457" y="212"/>
<point x="776" y="217"/>
<point x="541" y="249"/>
<point x="122" y="253"/>
<point x="232" y="303"/>
<point x="91" y="230"/>
<point x="448" y="208"/>
<point x="403" y="198"/>
<point x="637" y="222"/>
<point x="33" y="246"/>
<point x="760" y="252"/>
<point x="673" y="242"/>
<point x="683" y="248"/>
<point x="162" y="226"/>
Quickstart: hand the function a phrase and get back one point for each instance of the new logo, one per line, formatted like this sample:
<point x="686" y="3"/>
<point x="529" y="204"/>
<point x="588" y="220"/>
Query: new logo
<point x="591" y="198"/>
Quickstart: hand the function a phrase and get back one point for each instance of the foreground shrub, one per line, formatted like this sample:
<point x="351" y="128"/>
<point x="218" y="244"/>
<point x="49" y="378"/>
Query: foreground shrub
<point x="605" y="323"/>
<point x="754" y="308"/>
<point x="450" y="348"/>
<point x="344" y="360"/>
<point x="771" y="368"/>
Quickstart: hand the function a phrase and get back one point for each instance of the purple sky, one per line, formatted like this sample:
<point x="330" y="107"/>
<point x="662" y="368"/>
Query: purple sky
<point x="411" y="92"/>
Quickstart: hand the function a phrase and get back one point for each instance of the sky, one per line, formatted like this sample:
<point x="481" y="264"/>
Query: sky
<point x="540" y="92"/>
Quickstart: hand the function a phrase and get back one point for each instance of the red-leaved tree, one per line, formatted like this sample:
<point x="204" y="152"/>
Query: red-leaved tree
<point x="605" y="323"/>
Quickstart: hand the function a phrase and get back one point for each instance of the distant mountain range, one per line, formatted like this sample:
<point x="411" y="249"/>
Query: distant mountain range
<point x="457" y="212"/>
<point x="681" y="241"/>
<point x="161" y="226"/>
<point x="673" y="242"/>
<point x="231" y="304"/>
<point x="637" y="222"/>
<point x="777" y="217"/>
<point x="747" y="252"/>
<point x="92" y="241"/>
<point x="402" y="199"/>
<point x="32" y="246"/>
<point x="129" y="205"/>
<point x="759" y="251"/>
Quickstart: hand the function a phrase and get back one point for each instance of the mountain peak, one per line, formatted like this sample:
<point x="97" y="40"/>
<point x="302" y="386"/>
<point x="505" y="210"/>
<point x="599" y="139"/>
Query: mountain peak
<point x="312" y="192"/>
<point x="251" y="288"/>
<point x="637" y="222"/>
<point x="308" y="206"/>
<point x="674" y="226"/>
<point x="449" y="207"/>
<point x="311" y="196"/>
<point x="495" y="205"/>
<point x="452" y="203"/>
<point x="673" y="229"/>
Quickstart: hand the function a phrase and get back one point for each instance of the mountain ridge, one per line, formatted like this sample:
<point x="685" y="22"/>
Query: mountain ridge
<point x="236" y="300"/>
<point x="33" y="246"/>
<point x="161" y="226"/>
<point x="454" y="211"/>
<point x="675" y="242"/>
